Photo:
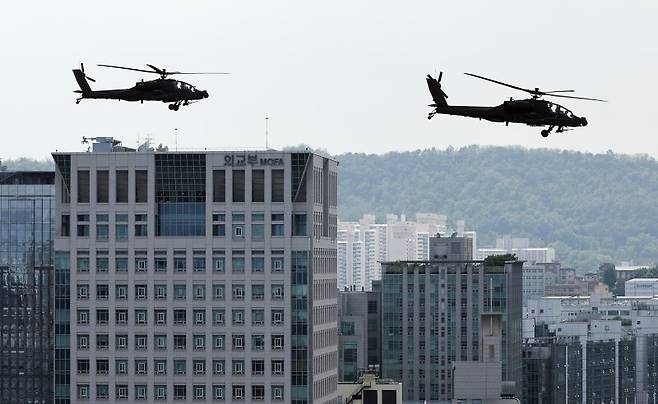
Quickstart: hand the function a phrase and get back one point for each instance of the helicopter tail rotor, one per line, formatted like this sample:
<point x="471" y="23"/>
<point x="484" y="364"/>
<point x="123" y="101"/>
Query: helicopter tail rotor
<point x="82" y="69"/>
<point x="438" y="95"/>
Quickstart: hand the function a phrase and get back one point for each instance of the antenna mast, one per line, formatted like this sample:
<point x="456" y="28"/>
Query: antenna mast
<point x="267" y="133"/>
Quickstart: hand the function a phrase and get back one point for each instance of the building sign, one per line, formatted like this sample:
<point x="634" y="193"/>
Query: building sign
<point x="239" y="160"/>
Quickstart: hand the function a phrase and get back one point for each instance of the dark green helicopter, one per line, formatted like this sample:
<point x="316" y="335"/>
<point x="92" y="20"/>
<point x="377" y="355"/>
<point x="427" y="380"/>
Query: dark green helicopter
<point x="174" y="92"/>
<point x="533" y="111"/>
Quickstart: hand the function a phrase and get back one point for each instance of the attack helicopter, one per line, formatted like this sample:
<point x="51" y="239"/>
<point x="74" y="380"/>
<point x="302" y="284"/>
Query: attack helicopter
<point x="533" y="111"/>
<point x="175" y="92"/>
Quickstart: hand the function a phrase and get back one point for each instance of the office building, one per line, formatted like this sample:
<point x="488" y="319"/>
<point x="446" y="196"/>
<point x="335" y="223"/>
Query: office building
<point x="431" y="317"/>
<point x="26" y="280"/>
<point x="359" y="332"/>
<point x="641" y="287"/>
<point x="195" y="276"/>
<point x="369" y="389"/>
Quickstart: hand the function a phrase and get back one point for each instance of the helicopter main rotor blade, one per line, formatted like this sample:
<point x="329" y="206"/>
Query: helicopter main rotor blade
<point x="197" y="73"/>
<point x="558" y="91"/>
<point x="575" y="98"/>
<point x="127" y="68"/>
<point x="157" y="70"/>
<point x="501" y="83"/>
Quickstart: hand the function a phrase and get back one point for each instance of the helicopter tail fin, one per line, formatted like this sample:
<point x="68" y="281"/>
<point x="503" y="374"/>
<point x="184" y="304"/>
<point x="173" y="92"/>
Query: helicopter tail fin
<point x="438" y="95"/>
<point x="82" y="81"/>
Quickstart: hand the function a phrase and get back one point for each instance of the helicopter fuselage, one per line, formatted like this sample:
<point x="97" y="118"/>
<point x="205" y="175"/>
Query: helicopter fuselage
<point x="165" y="90"/>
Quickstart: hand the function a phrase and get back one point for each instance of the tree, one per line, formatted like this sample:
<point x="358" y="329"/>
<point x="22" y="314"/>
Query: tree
<point x="608" y="275"/>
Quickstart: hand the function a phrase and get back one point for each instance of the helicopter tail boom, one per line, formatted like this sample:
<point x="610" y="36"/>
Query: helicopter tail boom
<point x="82" y="81"/>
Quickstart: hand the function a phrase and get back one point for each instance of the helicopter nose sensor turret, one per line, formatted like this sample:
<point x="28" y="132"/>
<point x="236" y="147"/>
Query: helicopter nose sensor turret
<point x="205" y="95"/>
<point x="583" y="121"/>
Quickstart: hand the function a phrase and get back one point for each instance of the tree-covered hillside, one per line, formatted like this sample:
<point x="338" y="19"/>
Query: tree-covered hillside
<point x="591" y="207"/>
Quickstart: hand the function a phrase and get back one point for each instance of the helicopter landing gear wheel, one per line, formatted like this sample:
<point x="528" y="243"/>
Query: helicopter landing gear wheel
<point x="544" y="133"/>
<point x="173" y="107"/>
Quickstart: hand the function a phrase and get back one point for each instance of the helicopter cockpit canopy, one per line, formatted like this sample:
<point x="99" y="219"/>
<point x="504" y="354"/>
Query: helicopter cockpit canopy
<point x="181" y="85"/>
<point x="559" y="109"/>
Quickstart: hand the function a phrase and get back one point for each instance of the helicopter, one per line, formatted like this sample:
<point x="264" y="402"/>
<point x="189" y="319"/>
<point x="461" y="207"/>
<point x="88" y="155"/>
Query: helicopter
<point x="533" y="111"/>
<point x="176" y="92"/>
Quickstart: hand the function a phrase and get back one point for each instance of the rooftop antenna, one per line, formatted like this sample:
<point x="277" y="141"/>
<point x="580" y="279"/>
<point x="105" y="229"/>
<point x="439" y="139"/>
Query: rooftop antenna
<point x="176" y="138"/>
<point x="267" y="132"/>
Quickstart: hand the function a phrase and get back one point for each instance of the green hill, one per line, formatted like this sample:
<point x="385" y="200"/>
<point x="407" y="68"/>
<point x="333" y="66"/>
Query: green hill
<point x="591" y="208"/>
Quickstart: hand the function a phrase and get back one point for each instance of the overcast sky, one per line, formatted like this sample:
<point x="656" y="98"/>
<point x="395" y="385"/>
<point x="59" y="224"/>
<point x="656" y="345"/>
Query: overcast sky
<point x="339" y="75"/>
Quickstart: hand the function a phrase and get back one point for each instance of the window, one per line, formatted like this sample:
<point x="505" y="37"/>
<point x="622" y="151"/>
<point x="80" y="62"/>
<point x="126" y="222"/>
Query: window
<point x="199" y="264"/>
<point x="160" y="366"/>
<point x="258" y="342"/>
<point x="238" y="342"/>
<point x="277" y="291"/>
<point x="199" y="342"/>
<point x="180" y="316"/>
<point x="140" y="341"/>
<point x="277" y="392"/>
<point x="237" y="264"/>
<point x="277" y="317"/>
<point x="141" y="226"/>
<point x="65" y="230"/>
<point x="82" y="264"/>
<point x="122" y="186"/>
<point x="218" y="392"/>
<point x="199" y="367"/>
<point x="199" y="391"/>
<point x="83" y="366"/>
<point x="160" y="264"/>
<point x="238" y="185"/>
<point x="121" y="316"/>
<point x="140" y="316"/>
<point x="277" y="185"/>
<point x="258" y="185"/>
<point x="180" y="341"/>
<point x="83" y="186"/>
<point x="141" y="186"/>
<point x="277" y="341"/>
<point x="102" y="366"/>
<point x="141" y="391"/>
<point x="121" y="227"/>
<point x="160" y="291"/>
<point x="199" y="292"/>
<point x="218" y="342"/>
<point x="121" y="292"/>
<point x="277" y="264"/>
<point x="102" y="231"/>
<point x="83" y="225"/>
<point x="160" y="392"/>
<point x="238" y="292"/>
<point x="257" y="264"/>
<point x="180" y="366"/>
<point x="218" y="366"/>
<point x="237" y="366"/>
<point x="258" y="392"/>
<point x="102" y="342"/>
<point x="122" y="391"/>
<point x="199" y="316"/>
<point x="102" y="391"/>
<point x="102" y="316"/>
<point x="141" y="367"/>
<point x="160" y="316"/>
<point x="277" y="367"/>
<point x="219" y="186"/>
<point x="180" y="264"/>
<point x="218" y="316"/>
<point x="160" y="341"/>
<point x="180" y="391"/>
<point x="238" y="392"/>
<point x="218" y="292"/>
<point x="140" y="292"/>
<point x="257" y="316"/>
<point x="257" y="291"/>
<point x="121" y="341"/>
<point x="102" y="264"/>
<point x="277" y="225"/>
<point x="83" y="316"/>
<point x="238" y="316"/>
<point x="299" y="225"/>
<point x="180" y="292"/>
<point x="102" y="291"/>
<point x="218" y="225"/>
<point x="238" y="231"/>
<point x="121" y="366"/>
<point x="218" y="264"/>
<point x="83" y="391"/>
<point x="83" y="341"/>
<point x="141" y="264"/>
<point x="121" y="264"/>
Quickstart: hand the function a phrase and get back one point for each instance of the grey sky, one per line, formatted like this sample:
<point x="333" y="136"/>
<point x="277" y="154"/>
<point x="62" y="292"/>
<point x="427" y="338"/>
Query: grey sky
<point x="340" y="75"/>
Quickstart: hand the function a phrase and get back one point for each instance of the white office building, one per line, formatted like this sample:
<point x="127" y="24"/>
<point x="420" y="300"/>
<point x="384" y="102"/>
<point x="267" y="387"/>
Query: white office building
<point x="195" y="276"/>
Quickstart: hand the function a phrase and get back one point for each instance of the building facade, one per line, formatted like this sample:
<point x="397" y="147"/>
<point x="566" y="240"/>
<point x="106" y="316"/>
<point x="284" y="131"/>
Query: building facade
<point x="196" y="277"/>
<point x="26" y="279"/>
<point x="431" y="314"/>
